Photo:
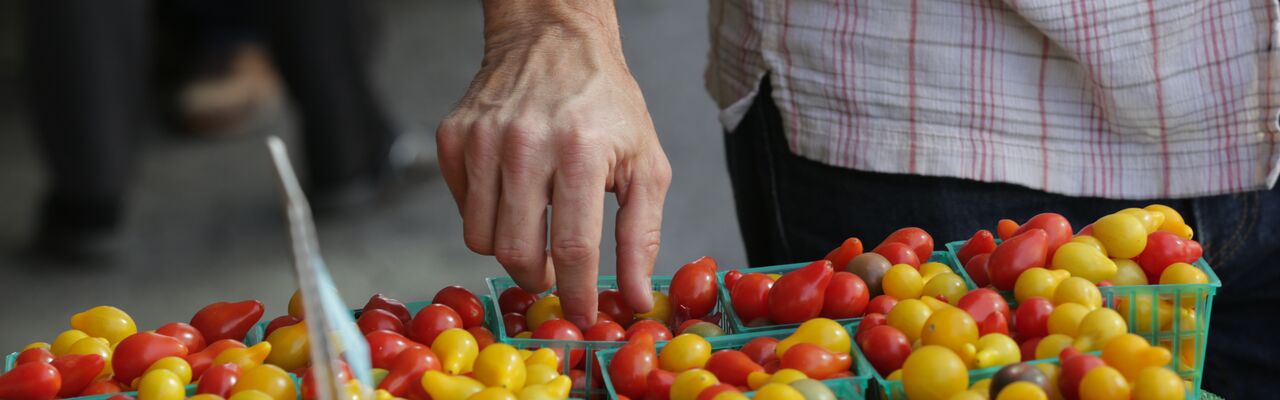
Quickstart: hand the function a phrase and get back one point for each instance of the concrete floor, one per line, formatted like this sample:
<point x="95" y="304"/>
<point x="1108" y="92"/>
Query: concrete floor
<point x="204" y="223"/>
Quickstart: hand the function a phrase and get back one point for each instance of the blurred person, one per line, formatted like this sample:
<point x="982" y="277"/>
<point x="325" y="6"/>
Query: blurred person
<point x="858" y="118"/>
<point x="87" y="64"/>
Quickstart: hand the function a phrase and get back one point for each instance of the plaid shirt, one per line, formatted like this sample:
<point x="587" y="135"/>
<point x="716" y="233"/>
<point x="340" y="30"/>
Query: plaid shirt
<point x="1117" y="99"/>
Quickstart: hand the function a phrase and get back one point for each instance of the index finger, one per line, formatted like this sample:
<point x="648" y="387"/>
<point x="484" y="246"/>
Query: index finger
<point x="577" y="208"/>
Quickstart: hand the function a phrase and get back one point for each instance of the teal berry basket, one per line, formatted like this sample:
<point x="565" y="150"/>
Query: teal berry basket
<point x="847" y="388"/>
<point x="1162" y="314"/>
<point x="589" y="349"/>
<point x="491" y="322"/>
<point x="740" y="326"/>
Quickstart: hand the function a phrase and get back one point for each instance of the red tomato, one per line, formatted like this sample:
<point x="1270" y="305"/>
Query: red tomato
<point x="513" y="323"/>
<point x="981" y="304"/>
<point x="846" y="296"/>
<point x="384" y="346"/>
<point x="680" y="329"/>
<point x="1005" y="228"/>
<point x="378" y="320"/>
<point x="1016" y="255"/>
<point x="898" y="253"/>
<point x="629" y="369"/>
<point x="606" y="331"/>
<point x="1056" y="228"/>
<point x="977" y="269"/>
<point x="558" y="329"/>
<point x="660" y="384"/>
<point x="916" y="239"/>
<point x="982" y="242"/>
<point x="1163" y="249"/>
<point x="463" y="302"/>
<point x="185" y="333"/>
<point x="1031" y="319"/>
<point x="407" y="370"/>
<point x="34" y="354"/>
<point x="750" y="297"/>
<point x="1028" y="348"/>
<point x="309" y="381"/>
<point x="200" y="361"/>
<point x="378" y="301"/>
<point x="483" y="336"/>
<point x="871" y="320"/>
<point x="711" y="392"/>
<point x="77" y="371"/>
<point x="102" y="386"/>
<point x="732" y="366"/>
<point x="656" y="329"/>
<point x="137" y="352"/>
<point x="224" y="320"/>
<point x="1073" y="370"/>
<point x="516" y="300"/>
<point x="693" y="288"/>
<point x="799" y="294"/>
<point x="731" y="278"/>
<point x="430" y="321"/>
<point x="762" y="350"/>
<point x="610" y="303"/>
<point x="280" y="322"/>
<point x="881" y="304"/>
<point x="840" y="256"/>
<point x="886" y="348"/>
<point x="815" y="361"/>
<point x="219" y="380"/>
<point x="30" y="381"/>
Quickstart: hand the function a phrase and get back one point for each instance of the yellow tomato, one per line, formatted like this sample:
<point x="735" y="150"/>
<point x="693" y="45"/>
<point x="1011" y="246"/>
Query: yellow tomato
<point x="775" y="391"/>
<point x="493" y="393"/>
<point x="177" y="365"/>
<point x="545" y="309"/>
<point x="1130" y="353"/>
<point x="295" y="305"/>
<point x="250" y="395"/>
<point x="63" y="342"/>
<point x="205" y="396"/>
<point x="820" y="331"/>
<point x="1038" y="282"/>
<point x="1051" y="372"/>
<point x="543" y="356"/>
<point x="105" y="322"/>
<point x="1158" y="383"/>
<point x="1123" y="235"/>
<point x="1052" y="345"/>
<point x="246" y="358"/>
<point x="1099" y="327"/>
<point x="1128" y="273"/>
<point x="946" y="285"/>
<point x="934" y="373"/>
<point x="691" y="382"/>
<point x="685" y="352"/>
<point x="1145" y="318"/>
<point x="268" y="379"/>
<point x="537" y="374"/>
<point x="1150" y="220"/>
<point x="1079" y="291"/>
<point x="1091" y="241"/>
<point x="443" y="386"/>
<point x="968" y="395"/>
<point x="730" y="395"/>
<point x="909" y="316"/>
<point x="932" y="269"/>
<point x="935" y="304"/>
<point x="1173" y="221"/>
<point x="1022" y="390"/>
<point x="555" y="389"/>
<point x="953" y="329"/>
<point x="1085" y="261"/>
<point x="903" y="281"/>
<point x="661" y="310"/>
<point x="996" y="349"/>
<point x="457" y="350"/>
<point x="1065" y="319"/>
<point x="289" y="347"/>
<point x="1183" y="273"/>
<point x="982" y="387"/>
<point x="161" y="385"/>
<point x="1104" y="383"/>
<point x="500" y="365"/>
<point x="94" y="345"/>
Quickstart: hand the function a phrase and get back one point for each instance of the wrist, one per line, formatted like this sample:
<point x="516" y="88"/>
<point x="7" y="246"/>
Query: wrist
<point x="515" y="23"/>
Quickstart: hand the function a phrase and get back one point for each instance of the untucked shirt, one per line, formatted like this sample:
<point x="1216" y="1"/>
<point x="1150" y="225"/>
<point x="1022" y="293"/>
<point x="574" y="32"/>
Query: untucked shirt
<point x="1116" y="98"/>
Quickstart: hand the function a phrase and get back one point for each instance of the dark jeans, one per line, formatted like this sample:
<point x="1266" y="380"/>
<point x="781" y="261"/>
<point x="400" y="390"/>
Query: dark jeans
<point x="791" y="209"/>
<point x="88" y="62"/>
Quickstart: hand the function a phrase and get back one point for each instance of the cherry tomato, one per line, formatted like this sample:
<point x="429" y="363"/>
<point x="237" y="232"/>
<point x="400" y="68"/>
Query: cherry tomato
<point x="136" y="353"/>
<point x="219" y="380"/>
<point x="31" y="381"/>
<point x="1040" y="282"/>
<point x="982" y="242"/>
<point x="1016" y="255"/>
<point x="733" y="366"/>
<point x="483" y="336"/>
<point x="871" y="268"/>
<point x="105" y="322"/>
<point x="656" y="329"/>
<point x="815" y="361"/>
<point x="909" y="316"/>
<point x="1032" y="317"/>
<point x="160" y="385"/>
<point x="516" y="300"/>
<point x="881" y="304"/>
<point x="631" y="364"/>
<point x="559" y="329"/>
<point x="694" y="288"/>
<point x="378" y="320"/>
<point x="611" y="304"/>
<point x="1123" y="234"/>
<point x="977" y="269"/>
<point x="296" y="309"/>
<point x="380" y="302"/>
<point x="606" y="331"/>
<point x="846" y="296"/>
<point x="224" y="320"/>
<point x="840" y="256"/>
<point x="545" y="309"/>
<point x="200" y="361"/>
<point x="1159" y="383"/>
<point x="280" y="322"/>
<point x="462" y="301"/>
<point x="710" y="393"/>
<point x="886" y="348"/>
<point x="1085" y="261"/>
<point x="308" y="390"/>
<point x="934" y="372"/>
<point x="1162" y="250"/>
<point x="660" y="383"/>
<point x="1056" y="228"/>
<point x="1104" y="383"/>
<point x="731" y="278"/>
<point x="384" y="346"/>
<point x="898" y="253"/>
<point x="981" y="304"/>
<point x="1005" y="228"/>
<point x="689" y="383"/>
<point x="1028" y="348"/>
<point x="1079" y="291"/>
<point x="1074" y="369"/>
<point x="919" y="241"/>
<point x="185" y="333"/>
<point x="868" y="321"/>
<point x="798" y="296"/>
<point x="102" y="386"/>
<point x="34" y="354"/>
<point x="268" y="379"/>
<point x="457" y="351"/>
<point x="77" y="371"/>
<point x="750" y="296"/>
<point x="513" y="323"/>
<point x="407" y="370"/>
<point x="684" y="352"/>
<point x="430" y="321"/>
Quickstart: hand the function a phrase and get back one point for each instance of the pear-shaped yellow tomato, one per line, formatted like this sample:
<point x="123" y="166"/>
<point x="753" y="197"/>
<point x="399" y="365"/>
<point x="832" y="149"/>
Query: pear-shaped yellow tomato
<point x="1130" y="353"/>
<point x="1099" y="327"/>
<point x="1173" y="222"/>
<point x="161" y="385"/>
<point x="1065" y="319"/>
<point x="177" y="365"/>
<point x="685" y="352"/>
<point x="1038" y="282"/>
<point x="1183" y="273"/>
<point x="543" y="356"/>
<point x="982" y="387"/>
<point x="1079" y="291"/>
<point x="902" y="281"/>
<point x="777" y="391"/>
<point x="1143" y="315"/>
<point x="1085" y="261"/>
<point x="1151" y="221"/>
<point x="1052" y="345"/>
<point x="105" y="322"/>
<point x="1091" y="241"/>
<point x="250" y="395"/>
<point x="545" y="309"/>
<point x="1104" y="383"/>
<point x="1158" y="383"/>
<point x="295" y="305"/>
<point x="268" y="379"/>
<point x="457" y="350"/>
<point x="689" y="384"/>
<point x="94" y="345"/>
<point x="442" y="386"/>
<point x="1123" y="234"/>
<point x="820" y="331"/>
<point x="996" y="349"/>
<point x="661" y="310"/>
<point x="493" y="393"/>
<point x="289" y="347"/>
<point x="499" y="365"/>
<point x="909" y="316"/>
<point x="246" y="358"/>
<point x="555" y="389"/>
<point x="954" y="329"/>
<point x="932" y="269"/>
<point x="63" y="342"/>
<point x="1128" y="273"/>
<point x="1022" y="390"/>
<point x="537" y="374"/>
<point x="947" y="285"/>
<point x="934" y="373"/>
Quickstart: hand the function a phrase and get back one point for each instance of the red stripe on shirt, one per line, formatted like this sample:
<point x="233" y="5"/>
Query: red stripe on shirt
<point x="1044" y="117"/>
<point x="1165" y="183"/>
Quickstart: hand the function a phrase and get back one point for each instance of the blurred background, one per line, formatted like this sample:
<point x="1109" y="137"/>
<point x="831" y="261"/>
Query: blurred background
<point x="201" y="221"/>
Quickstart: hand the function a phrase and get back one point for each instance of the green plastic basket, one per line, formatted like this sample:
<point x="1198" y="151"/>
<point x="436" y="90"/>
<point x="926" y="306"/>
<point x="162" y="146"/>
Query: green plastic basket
<point x="1165" y="324"/>
<point x="591" y="388"/>
<point x="849" y="388"/>
<point x="740" y="326"/>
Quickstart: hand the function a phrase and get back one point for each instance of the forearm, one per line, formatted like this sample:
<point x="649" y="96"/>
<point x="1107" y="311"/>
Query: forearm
<point x="508" y="22"/>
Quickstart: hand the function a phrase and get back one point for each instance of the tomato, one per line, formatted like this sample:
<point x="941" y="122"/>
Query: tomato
<point x="732" y="366"/>
<point x="820" y="331"/>
<point x="897" y="253"/>
<point x="761" y="350"/>
<point x="1157" y="383"/>
<point x="1074" y="369"/>
<point x="105" y="322"/>
<point x="798" y="296"/>
<point x="656" y="329"/>
<point x="430" y="321"/>
<point x="750" y="296"/>
<point x="919" y="241"/>
<point x="501" y="366"/>
<point x="1122" y="234"/>
<point x="846" y="296"/>
<point x="933" y="372"/>
<point x="35" y="354"/>
<point x="1104" y="383"/>
<point x="384" y="346"/>
<point x="102" y="386"/>
<point x="31" y="381"/>
<point x="840" y="256"/>
<point x="945" y="286"/>
<point x="185" y="333"/>
<point x="983" y="305"/>
<point x="1032" y="317"/>
<point x="308" y="390"/>
<point x="977" y="269"/>
<point x="1056" y="228"/>
<point x="290" y="347"/>
<point x="881" y="304"/>
<point x="201" y="360"/>
<point x="225" y="320"/>
<point x="559" y="329"/>
<point x="1039" y="282"/>
<point x="77" y="371"/>
<point x="1079" y="291"/>
<point x="295" y="308"/>
<point x="954" y="329"/>
<point x="982" y="242"/>
<point x="1098" y="328"/>
<point x="814" y="361"/>
<point x="280" y="322"/>
<point x="713" y="391"/>
<point x="605" y="331"/>
<point x="684" y="352"/>
<point x="380" y="302"/>
<point x="871" y="268"/>
<point x="869" y="321"/>
<point x="1162" y="250"/>
<point x="731" y="278"/>
<point x="694" y="288"/>
<point x="545" y="309"/>
<point x="996" y="349"/>
<point x="407" y="369"/>
<point x="457" y="350"/>
<point x="629" y="369"/>
<point x="1016" y="255"/>
<point x="462" y="301"/>
<point x="268" y="379"/>
<point x="1005" y="228"/>
<point x="610" y="303"/>
<point x="444" y="386"/>
<point x="690" y="383"/>
<point x="1013" y="373"/>
<point x="659" y="383"/>
<point x="219" y="380"/>
<point x="172" y="364"/>
<point x="483" y="336"/>
<point x="909" y="316"/>
<point x="377" y="320"/>
<point x="135" y="353"/>
<point x="160" y="385"/>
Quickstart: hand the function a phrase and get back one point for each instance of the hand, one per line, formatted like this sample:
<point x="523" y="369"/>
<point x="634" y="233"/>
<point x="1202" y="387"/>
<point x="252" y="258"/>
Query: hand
<point x="554" y="117"/>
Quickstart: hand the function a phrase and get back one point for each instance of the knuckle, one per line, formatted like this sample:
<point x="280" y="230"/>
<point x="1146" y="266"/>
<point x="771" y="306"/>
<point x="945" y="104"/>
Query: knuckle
<point x="572" y="252"/>
<point x="480" y="244"/>
<point x="515" y="258"/>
